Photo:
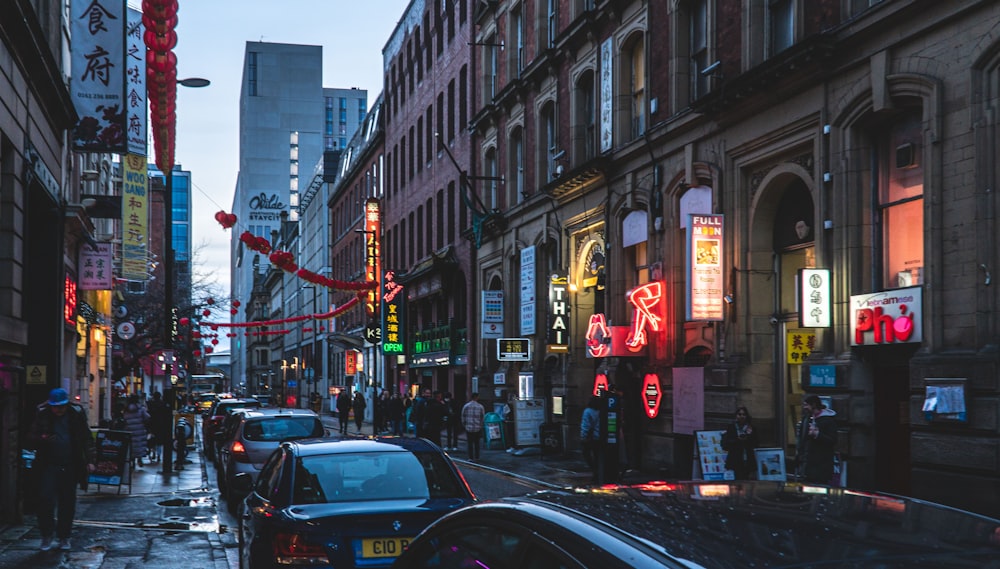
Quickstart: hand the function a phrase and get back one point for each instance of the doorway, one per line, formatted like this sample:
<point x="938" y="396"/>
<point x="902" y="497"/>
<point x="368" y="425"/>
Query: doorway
<point x="892" y="429"/>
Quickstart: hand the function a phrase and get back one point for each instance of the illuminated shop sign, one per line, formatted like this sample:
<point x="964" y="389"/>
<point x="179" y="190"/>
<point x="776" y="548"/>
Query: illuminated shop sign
<point x="514" y="350"/>
<point x="652" y="394"/>
<point x="598" y="337"/>
<point x="888" y="317"/>
<point x="373" y="256"/>
<point x="392" y="315"/>
<point x="350" y="362"/>
<point x="704" y="289"/>
<point x="647" y="303"/>
<point x="558" y="341"/>
<point x="600" y="384"/>
<point x="69" y="304"/>
<point x="814" y="298"/>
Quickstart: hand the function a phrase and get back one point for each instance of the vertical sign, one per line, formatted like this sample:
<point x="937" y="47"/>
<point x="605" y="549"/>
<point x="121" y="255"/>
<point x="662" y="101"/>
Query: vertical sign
<point x="799" y="344"/>
<point x="559" y="313"/>
<point x="689" y="399"/>
<point x="135" y="84"/>
<point x="97" y="86"/>
<point x="372" y="254"/>
<point x="528" y="291"/>
<point x="135" y="217"/>
<point x="392" y="315"/>
<point x="69" y="300"/>
<point x="814" y="298"/>
<point x="651" y="394"/>
<point x="607" y="100"/>
<point x="704" y="289"/>
<point x="350" y="362"/>
<point x="96" y="269"/>
<point x="492" y="314"/>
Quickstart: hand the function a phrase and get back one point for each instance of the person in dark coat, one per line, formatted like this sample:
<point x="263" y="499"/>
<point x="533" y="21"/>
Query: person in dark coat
<point x="434" y="417"/>
<point x="739" y="442"/>
<point x="359" y="406"/>
<point x="64" y="458"/>
<point x="160" y="424"/>
<point x="136" y="419"/>
<point x="396" y="414"/>
<point x="343" y="409"/>
<point x="817" y="439"/>
<point x="418" y="413"/>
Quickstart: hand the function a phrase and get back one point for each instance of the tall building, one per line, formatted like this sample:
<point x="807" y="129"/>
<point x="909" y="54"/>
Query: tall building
<point x="287" y="119"/>
<point x="182" y="230"/>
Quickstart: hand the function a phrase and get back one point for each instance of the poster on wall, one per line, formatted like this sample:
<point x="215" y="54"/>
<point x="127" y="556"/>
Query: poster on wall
<point x="705" y="288"/>
<point x="711" y="456"/>
<point x="689" y="400"/>
<point x="770" y="464"/>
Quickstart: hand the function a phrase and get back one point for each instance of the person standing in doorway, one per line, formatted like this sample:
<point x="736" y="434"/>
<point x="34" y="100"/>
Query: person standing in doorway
<point x="473" y="415"/>
<point x="343" y="409"/>
<point x="739" y="442"/>
<point x="359" y="406"/>
<point x="817" y="439"/>
<point x="65" y="457"/>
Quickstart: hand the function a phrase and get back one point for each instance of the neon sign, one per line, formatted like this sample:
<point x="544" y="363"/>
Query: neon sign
<point x="392" y="315"/>
<point x="652" y="393"/>
<point x="600" y="384"/>
<point x="646" y="299"/>
<point x="69" y="306"/>
<point x="372" y="254"/>
<point x="598" y="337"/>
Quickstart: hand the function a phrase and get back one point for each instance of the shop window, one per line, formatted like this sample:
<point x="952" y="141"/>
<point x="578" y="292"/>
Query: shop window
<point x="901" y="204"/>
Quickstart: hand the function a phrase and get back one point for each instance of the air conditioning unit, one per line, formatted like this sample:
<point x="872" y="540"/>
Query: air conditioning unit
<point x="90" y="175"/>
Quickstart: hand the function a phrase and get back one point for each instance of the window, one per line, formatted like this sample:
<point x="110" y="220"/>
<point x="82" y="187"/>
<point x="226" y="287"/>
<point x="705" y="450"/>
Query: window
<point x="780" y="25"/>
<point x="699" y="49"/>
<point x="516" y="40"/>
<point x="451" y="111"/>
<point x="901" y="204"/>
<point x="490" y="58"/>
<point x="547" y="150"/>
<point x="490" y="198"/>
<point x="585" y="121"/>
<point x="463" y="96"/>
<point x="635" y="86"/>
<point x="546" y="23"/>
<point x="516" y="151"/>
<point x="252" y="74"/>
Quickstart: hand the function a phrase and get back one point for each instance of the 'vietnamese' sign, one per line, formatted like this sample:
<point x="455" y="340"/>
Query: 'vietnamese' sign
<point x="887" y="317"/>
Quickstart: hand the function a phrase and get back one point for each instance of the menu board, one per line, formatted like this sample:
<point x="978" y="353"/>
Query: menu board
<point x="529" y="414"/>
<point x="711" y="456"/>
<point x="112" y="457"/>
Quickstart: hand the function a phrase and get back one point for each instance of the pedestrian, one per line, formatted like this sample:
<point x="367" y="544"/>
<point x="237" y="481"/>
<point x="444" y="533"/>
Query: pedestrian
<point x="817" y="438"/>
<point x="315" y="402"/>
<point x="473" y="415"/>
<point x="343" y="409"/>
<point x="64" y="457"/>
<point x="359" y="409"/>
<point x="418" y="412"/>
<point x="396" y="414"/>
<point x="452" y="418"/>
<point x="160" y="424"/>
<point x="590" y="434"/>
<point x="434" y="418"/>
<point x="136" y="419"/>
<point x="739" y="442"/>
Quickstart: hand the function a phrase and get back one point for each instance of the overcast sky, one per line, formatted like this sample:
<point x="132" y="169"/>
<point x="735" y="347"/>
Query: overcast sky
<point x="211" y="39"/>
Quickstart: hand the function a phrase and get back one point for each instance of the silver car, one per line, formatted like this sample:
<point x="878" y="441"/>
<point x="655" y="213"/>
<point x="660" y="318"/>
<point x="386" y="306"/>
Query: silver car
<point x="254" y="436"/>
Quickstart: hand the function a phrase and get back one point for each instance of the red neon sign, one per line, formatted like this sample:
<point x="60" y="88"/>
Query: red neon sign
<point x="598" y="337"/>
<point x="600" y="384"/>
<point x="646" y="299"/>
<point x="373" y="256"/>
<point x="652" y="393"/>
<point x="69" y="307"/>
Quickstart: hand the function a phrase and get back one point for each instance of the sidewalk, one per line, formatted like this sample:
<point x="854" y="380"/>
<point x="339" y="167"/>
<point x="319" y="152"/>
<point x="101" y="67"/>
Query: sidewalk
<point x="166" y="521"/>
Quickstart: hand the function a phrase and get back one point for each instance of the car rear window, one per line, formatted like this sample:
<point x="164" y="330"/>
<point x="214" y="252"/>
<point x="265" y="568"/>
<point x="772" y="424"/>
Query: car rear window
<point x="276" y="429"/>
<point x="350" y="477"/>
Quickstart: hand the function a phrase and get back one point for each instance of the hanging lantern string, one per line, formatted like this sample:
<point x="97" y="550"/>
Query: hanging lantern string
<point x="286" y="262"/>
<point x="264" y="323"/>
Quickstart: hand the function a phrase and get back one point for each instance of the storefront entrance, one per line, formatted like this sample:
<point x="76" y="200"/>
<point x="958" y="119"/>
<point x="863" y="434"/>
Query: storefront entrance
<point x="892" y="429"/>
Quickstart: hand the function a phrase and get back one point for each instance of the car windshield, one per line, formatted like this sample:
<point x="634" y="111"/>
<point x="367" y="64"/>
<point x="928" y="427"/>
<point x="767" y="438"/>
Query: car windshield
<point x="275" y="429"/>
<point x="351" y="477"/>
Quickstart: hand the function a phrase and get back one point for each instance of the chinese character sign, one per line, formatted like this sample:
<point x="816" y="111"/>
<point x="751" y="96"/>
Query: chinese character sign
<point x="96" y="270"/>
<point x="97" y="86"/>
<point x="704" y="289"/>
<point x="135" y="84"/>
<point x="814" y="298"/>
<point x="373" y="256"/>
<point x="135" y="217"/>
<point x="799" y="345"/>
<point x="393" y="324"/>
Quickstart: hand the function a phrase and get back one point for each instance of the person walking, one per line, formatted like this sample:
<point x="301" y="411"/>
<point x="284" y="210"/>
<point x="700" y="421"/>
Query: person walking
<point x="590" y="434"/>
<point x="434" y="414"/>
<point x="160" y="424"/>
<point x="739" y="442"/>
<point x="473" y="415"/>
<point x="64" y="457"/>
<point x="418" y="413"/>
<point x="396" y="414"/>
<point x="343" y="409"/>
<point x="136" y="419"/>
<point x="359" y="409"/>
<point x="817" y="438"/>
<point x="451" y="421"/>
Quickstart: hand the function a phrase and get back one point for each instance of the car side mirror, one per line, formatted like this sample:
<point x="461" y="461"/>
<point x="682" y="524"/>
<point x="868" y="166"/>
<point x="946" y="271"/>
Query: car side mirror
<point x="243" y="483"/>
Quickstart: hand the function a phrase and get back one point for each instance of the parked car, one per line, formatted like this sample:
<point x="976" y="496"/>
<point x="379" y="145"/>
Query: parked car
<point x="211" y="425"/>
<point x="709" y="525"/>
<point x="352" y="502"/>
<point x="204" y="402"/>
<point x="251" y="436"/>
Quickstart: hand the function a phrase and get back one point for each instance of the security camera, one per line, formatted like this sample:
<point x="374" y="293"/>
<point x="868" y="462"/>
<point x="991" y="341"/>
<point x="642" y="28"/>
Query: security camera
<point x="773" y="320"/>
<point x="558" y="172"/>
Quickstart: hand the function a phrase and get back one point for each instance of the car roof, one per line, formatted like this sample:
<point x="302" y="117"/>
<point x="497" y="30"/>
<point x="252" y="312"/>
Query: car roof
<point x="276" y="411"/>
<point x="320" y="446"/>
<point x="720" y="524"/>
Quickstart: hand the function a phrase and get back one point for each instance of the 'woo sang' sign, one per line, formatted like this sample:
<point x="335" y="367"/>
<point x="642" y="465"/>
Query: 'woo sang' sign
<point x="887" y="317"/>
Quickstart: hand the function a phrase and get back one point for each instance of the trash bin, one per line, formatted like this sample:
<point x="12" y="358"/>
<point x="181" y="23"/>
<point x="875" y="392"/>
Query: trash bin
<point x="493" y="429"/>
<point x="551" y="437"/>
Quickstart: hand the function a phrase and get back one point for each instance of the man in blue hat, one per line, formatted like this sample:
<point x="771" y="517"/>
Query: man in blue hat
<point x="64" y="457"/>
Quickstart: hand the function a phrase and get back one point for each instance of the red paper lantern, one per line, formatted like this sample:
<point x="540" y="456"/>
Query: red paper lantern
<point x="236" y="303"/>
<point x="210" y="301"/>
<point x="184" y="321"/>
<point x="196" y="353"/>
<point x="206" y="312"/>
<point x="215" y="342"/>
<point x="208" y="349"/>
<point x="233" y="311"/>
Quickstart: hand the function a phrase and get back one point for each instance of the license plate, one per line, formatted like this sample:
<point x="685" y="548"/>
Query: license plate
<point x="383" y="547"/>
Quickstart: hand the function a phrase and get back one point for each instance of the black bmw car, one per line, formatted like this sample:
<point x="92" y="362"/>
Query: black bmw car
<point x="345" y="502"/>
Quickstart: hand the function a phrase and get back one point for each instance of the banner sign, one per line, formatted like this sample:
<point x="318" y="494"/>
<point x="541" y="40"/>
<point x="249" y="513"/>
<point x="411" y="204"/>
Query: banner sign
<point x="97" y="86"/>
<point x="96" y="269"/>
<point x="704" y="289"/>
<point x="814" y="298"/>
<point x="392" y="315"/>
<point x="888" y="317"/>
<point x="373" y="254"/>
<point x="135" y="218"/>
<point x="558" y="340"/>
<point x="492" y="307"/>
<point x="528" y="291"/>
<point x="135" y="84"/>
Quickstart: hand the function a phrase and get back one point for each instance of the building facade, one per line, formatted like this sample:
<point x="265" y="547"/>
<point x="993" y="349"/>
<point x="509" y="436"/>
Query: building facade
<point x="763" y="202"/>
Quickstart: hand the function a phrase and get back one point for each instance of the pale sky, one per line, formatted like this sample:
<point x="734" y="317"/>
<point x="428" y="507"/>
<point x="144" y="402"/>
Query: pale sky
<point x="211" y="39"/>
